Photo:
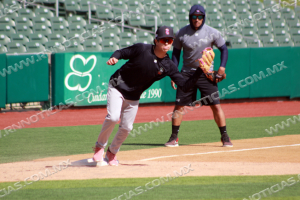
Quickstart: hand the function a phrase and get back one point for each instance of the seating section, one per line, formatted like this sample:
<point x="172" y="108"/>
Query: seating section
<point x="36" y="27"/>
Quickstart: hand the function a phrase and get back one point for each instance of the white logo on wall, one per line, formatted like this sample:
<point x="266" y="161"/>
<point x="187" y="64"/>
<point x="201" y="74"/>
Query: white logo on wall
<point x="80" y="74"/>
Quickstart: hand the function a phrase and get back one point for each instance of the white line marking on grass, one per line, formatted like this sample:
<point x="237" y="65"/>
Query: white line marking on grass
<point x="292" y="145"/>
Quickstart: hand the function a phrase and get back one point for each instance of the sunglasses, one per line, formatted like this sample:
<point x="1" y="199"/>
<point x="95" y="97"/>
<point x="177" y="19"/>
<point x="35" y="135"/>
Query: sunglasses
<point x="166" y="40"/>
<point x="199" y="17"/>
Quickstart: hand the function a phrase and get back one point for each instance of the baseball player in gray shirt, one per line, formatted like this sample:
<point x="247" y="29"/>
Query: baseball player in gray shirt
<point x="193" y="39"/>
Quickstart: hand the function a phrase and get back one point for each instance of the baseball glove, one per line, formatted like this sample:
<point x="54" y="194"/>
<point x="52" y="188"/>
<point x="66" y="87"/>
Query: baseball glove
<point x="205" y="63"/>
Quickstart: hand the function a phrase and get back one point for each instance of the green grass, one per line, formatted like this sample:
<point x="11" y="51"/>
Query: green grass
<point x="226" y="187"/>
<point x="34" y="143"/>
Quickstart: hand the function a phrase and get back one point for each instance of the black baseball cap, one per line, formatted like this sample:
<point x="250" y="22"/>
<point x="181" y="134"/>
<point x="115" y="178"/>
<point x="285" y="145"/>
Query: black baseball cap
<point x="198" y="12"/>
<point x="164" y="32"/>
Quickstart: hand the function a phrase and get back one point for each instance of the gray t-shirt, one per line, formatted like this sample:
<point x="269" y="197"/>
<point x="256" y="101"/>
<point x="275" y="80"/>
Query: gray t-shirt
<point x="194" y="42"/>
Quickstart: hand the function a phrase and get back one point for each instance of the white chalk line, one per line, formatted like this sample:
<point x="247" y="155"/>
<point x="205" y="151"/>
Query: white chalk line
<point x="212" y="152"/>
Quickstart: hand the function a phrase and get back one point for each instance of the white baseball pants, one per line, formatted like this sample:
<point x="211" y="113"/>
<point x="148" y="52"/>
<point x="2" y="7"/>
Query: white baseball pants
<point x="117" y="107"/>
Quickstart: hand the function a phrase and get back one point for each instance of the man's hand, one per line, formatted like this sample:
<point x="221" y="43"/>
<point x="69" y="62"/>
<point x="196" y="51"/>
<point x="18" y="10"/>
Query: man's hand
<point x="221" y="70"/>
<point x="173" y="85"/>
<point x="112" y="61"/>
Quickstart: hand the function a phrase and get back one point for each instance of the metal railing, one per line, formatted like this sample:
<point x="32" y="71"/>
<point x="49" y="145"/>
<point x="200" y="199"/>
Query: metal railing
<point x="122" y="17"/>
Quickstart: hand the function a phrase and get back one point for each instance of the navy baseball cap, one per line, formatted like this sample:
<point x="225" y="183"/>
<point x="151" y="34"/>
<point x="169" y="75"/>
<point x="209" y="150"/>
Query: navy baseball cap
<point x="164" y="32"/>
<point x="198" y="11"/>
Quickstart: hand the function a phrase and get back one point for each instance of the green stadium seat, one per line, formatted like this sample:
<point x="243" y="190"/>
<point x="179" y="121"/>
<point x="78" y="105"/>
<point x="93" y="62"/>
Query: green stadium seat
<point x="167" y="12"/>
<point x="90" y="27"/>
<point x="237" y="42"/>
<point x="251" y="26"/>
<point x="169" y="19"/>
<point x="201" y="2"/>
<point x="1" y="5"/>
<point x="59" y="29"/>
<point x="230" y="18"/>
<point x="254" y="43"/>
<point x="43" y="29"/>
<point x="138" y="20"/>
<point x="91" y="46"/>
<point x="276" y="16"/>
<point x="150" y="21"/>
<point x="284" y="41"/>
<point x="255" y="2"/>
<point x="26" y="12"/>
<point x="228" y="11"/>
<point x="3" y="48"/>
<point x="280" y="25"/>
<point x="103" y="2"/>
<point x="180" y="10"/>
<point x="183" y="4"/>
<point x="265" y="34"/>
<point x="228" y="8"/>
<point x="56" y="37"/>
<point x="6" y="30"/>
<point x="269" y="3"/>
<point x="226" y="2"/>
<point x="295" y="32"/>
<point x="182" y="24"/>
<point x="109" y="46"/>
<point x="125" y="43"/>
<point x="128" y="37"/>
<point x="294" y="23"/>
<point x="55" y="47"/>
<point x="110" y="36"/>
<point x="212" y="3"/>
<point x="241" y="7"/>
<point x="50" y="2"/>
<point x="217" y="25"/>
<point x="270" y="43"/>
<point x="264" y="26"/>
<point x="20" y="38"/>
<point x="41" y="20"/>
<point x="37" y="37"/>
<point x="296" y="40"/>
<point x="6" y="21"/>
<point x="76" y="28"/>
<point x="23" y="29"/>
<point x="120" y="5"/>
<point x="71" y="5"/>
<point x="249" y="33"/>
<point x="166" y="4"/>
<point x="43" y="12"/>
<point x="297" y="10"/>
<point x="144" y="41"/>
<point x="16" y="47"/>
<point x="240" y="2"/>
<point x="113" y="29"/>
<point x="8" y="3"/>
<point x="76" y="20"/>
<point x="34" y="47"/>
<point x="184" y="18"/>
<point x="215" y="17"/>
<point x="75" y="47"/>
<point x="144" y="36"/>
<point x="84" y="6"/>
<point x="4" y="39"/>
<point x="12" y="14"/>
<point x="212" y="11"/>
<point x="23" y="21"/>
<point x="242" y="10"/>
<point x="104" y="13"/>
<point x="59" y="20"/>
<point x="94" y="38"/>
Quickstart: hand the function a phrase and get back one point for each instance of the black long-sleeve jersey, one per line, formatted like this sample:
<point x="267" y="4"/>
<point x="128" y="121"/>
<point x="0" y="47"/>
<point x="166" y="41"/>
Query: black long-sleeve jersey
<point x="144" y="68"/>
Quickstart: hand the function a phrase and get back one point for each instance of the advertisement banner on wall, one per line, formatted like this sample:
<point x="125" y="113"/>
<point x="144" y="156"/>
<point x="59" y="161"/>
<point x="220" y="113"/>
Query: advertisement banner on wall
<point x="84" y="79"/>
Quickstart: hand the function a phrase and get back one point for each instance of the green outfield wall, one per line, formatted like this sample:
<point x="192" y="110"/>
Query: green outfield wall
<point x="83" y="77"/>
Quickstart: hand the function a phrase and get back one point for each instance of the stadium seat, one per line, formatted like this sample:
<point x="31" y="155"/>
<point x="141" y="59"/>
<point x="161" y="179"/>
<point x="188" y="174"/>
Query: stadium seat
<point x="1" y="5"/>
<point x="183" y="4"/>
<point x="150" y="21"/>
<point x="15" y="47"/>
<point x="8" y="3"/>
<point x="284" y="41"/>
<point x="56" y="37"/>
<point x="44" y="12"/>
<point x="20" y="38"/>
<point x="37" y="37"/>
<point x="295" y="32"/>
<point x="183" y="11"/>
<point x="144" y="41"/>
<point x="215" y="17"/>
<point x="4" y="39"/>
<point x="40" y="28"/>
<point x="296" y="40"/>
<point x="55" y="47"/>
<point x="134" y="4"/>
<point x="6" y="21"/>
<point x="23" y="21"/>
<point x="76" y="28"/>
<point x="76" y="20"/>
<point x="3" y="48"/>
<point x="75" y="47"/>
<point x="201" y="2"/>
<point x="251" y="26"/>
<point x="212" y="11"/>
<point x="217" y="25"/>
<point x="128" y="37"/>
<point x="270" y="43"/>
<point x="240" y="2"/>
<point x="26" y="12"/>
<point x="169" y="19"/>
<point x="254" y="43"/>
<point x="59" y="20"/>
<point x="94" y="38"/>
<point x="41" y="20"/>
<point x="237" y="42"/>
<point x="242" y="10"/>
<point x="138" y="20"/>
<point x="109" y="46"/>
<point x="182" y="24"/>
<point x="84" y="6"/>
<point x="34" y="47"/>
<point x="264" y="26"/>
<point x="265" y="34"/>
<point x="107" y="35"/>
<point x="280" y="25"/>
<point x="22" y="29"/>
<point x="166" y="4"/>
<point x="59" y="29"/>
<point x="104" y="13"/>
<point x="71" y="5"/>
<point x="249" y="33"/>
<point x="125" y="43"/>
<point x="269" y="3"/>
<point x="92" y="46"/>
<point x="230" y="18"/>
<point x="294" y="23"/>
<point x="142" y="35"/>
<point x="167" y="12"/>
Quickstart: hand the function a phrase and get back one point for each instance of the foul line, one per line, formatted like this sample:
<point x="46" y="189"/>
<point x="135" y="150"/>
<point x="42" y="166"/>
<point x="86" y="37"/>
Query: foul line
<point x="292" y="145"/>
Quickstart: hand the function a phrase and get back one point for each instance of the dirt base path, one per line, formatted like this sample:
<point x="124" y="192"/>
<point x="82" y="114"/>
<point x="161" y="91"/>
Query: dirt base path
<point x="262" y="156"/>
<point x="93" y="116"/>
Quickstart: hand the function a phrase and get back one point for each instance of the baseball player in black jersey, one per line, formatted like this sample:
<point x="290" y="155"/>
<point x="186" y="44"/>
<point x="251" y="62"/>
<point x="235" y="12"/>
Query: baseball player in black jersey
<point x="193" y="39"/>
<point x="147" y="63"/>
